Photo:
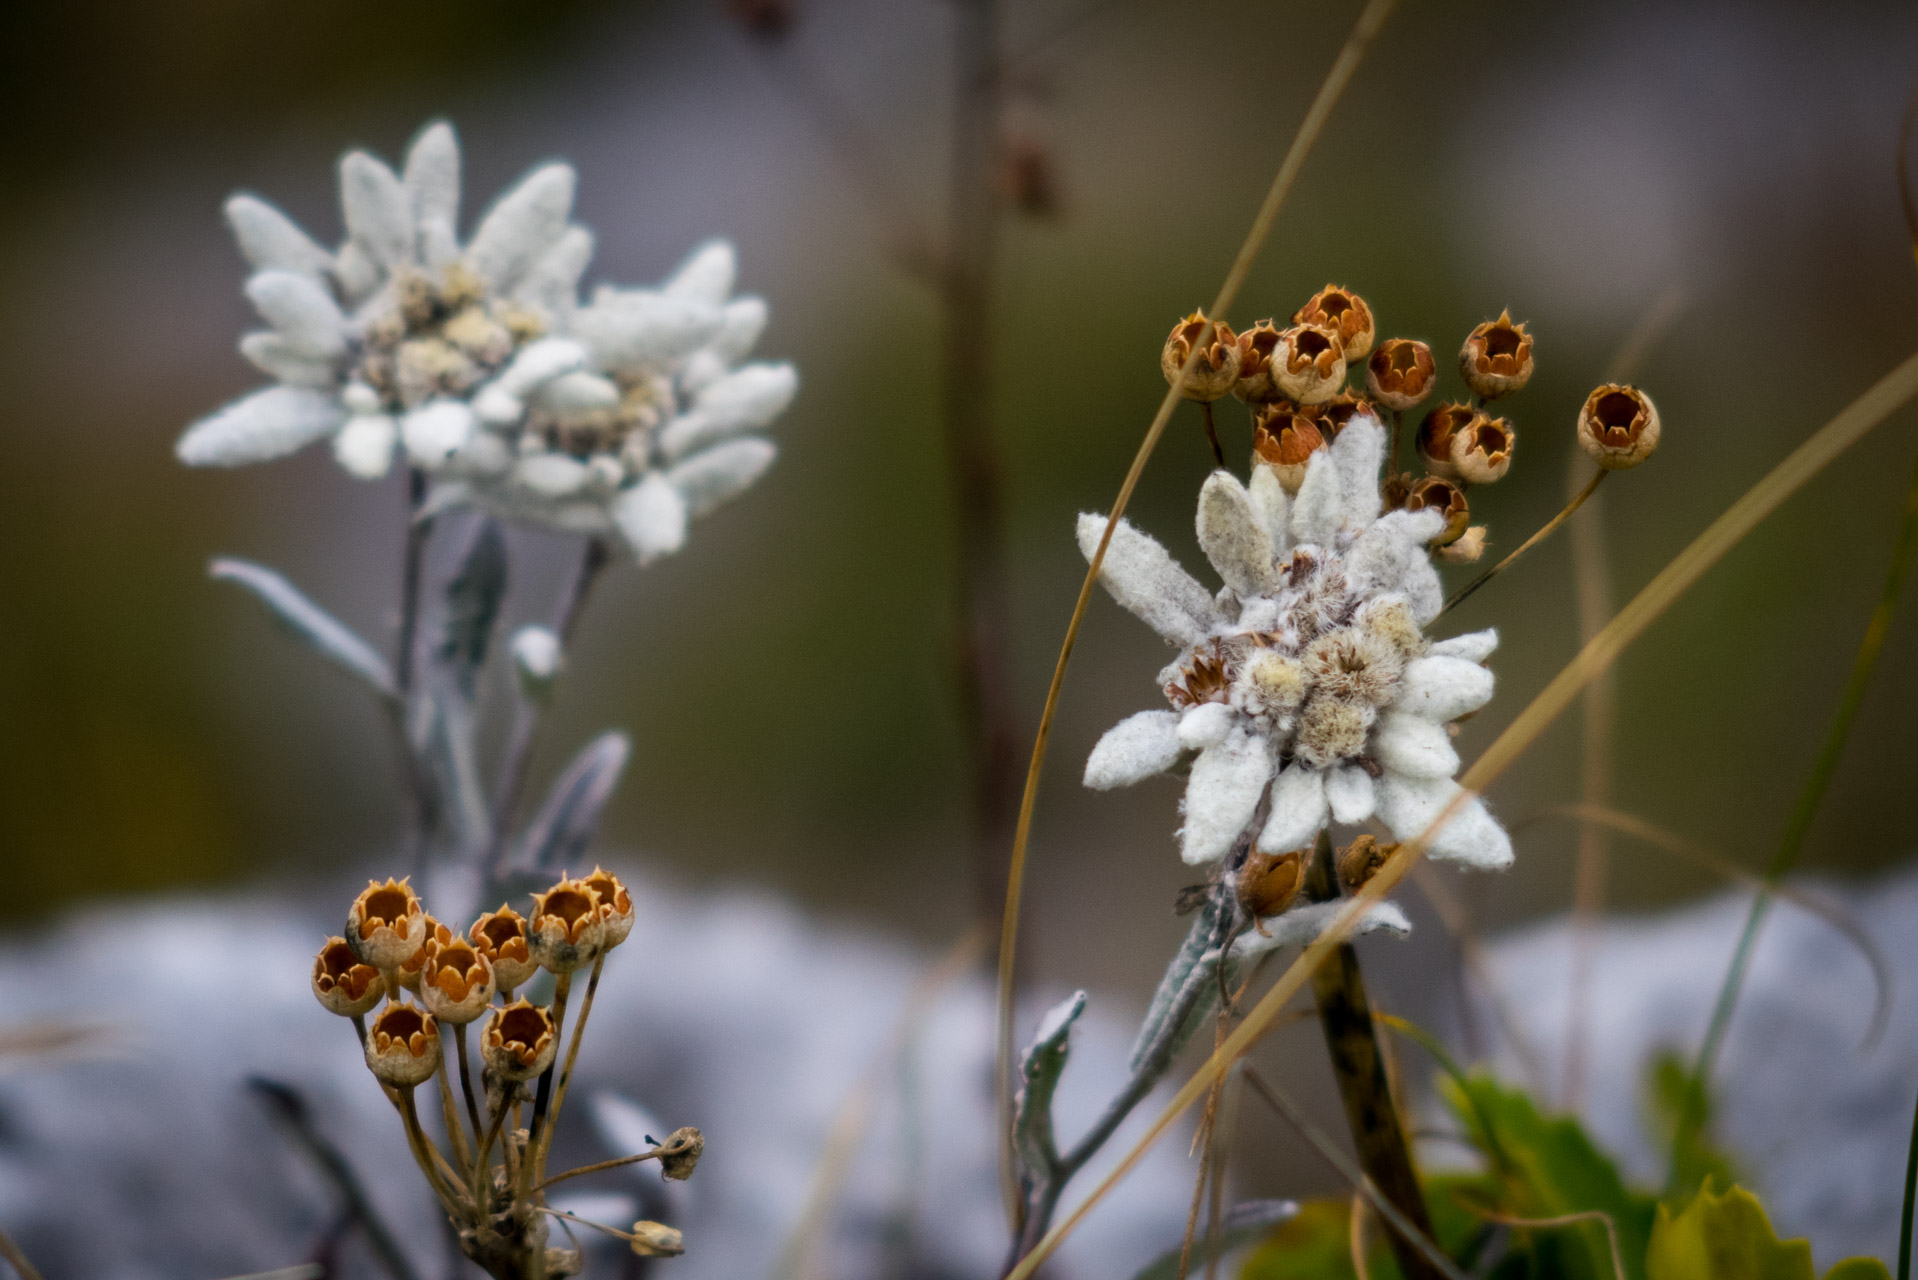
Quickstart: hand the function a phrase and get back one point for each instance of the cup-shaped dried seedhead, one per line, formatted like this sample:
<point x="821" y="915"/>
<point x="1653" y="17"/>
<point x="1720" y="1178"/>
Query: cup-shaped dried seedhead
<point x="403" y="1045"/>
<point x="1469" y="548"/>
<point x="343" y="982"/>
<point x="680" y="1153"/>
<point x="1436" y="493"/>
<point x="1309" y="364"/>
<point x="1618" y="426"/>
<point x="409" y="972"/>
<point x="501" y="937"/>
<point x="1332" y="415"/>
<point x="657" y="1240"/>
<point x="1217" y="367"/>
<point x="518" y="1041"/>
<point x="1268" y="883"/>
<point x="1285" y="439"/>
<point x="1360" y="861"/>
<point x="1256" y="345"/>
<point x="1401" y="373"/>
<point x="1497" y="357"/>
<point x="567" y="930"/>
<point x="1346" y="314"/>
<point x="1435" y="436"/>
<point x="456" y="982"/>
<point x="615" y="905"/>
<point x="1482" y="449"/>
<point x="386" y="925"/>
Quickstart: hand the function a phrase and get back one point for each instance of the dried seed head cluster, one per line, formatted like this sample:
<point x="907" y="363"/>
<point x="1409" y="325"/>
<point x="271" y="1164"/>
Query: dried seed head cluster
<point x="624" y="416"/>
<point x="1216" y="368"/>
<point x="393" y="946"/>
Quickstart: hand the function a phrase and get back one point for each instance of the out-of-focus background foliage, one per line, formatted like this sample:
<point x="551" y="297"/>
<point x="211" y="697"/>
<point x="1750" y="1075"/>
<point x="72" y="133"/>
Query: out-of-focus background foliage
<point x="786" y="678"/>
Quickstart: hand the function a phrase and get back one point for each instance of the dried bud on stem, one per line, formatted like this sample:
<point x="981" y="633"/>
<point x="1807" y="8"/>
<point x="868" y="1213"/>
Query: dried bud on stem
<point x="344" y="983"/>
<point x="1435" y="436"/>
<point x="1497" y="357"/>
<point x="409" y="972"/>
<point x="1217" y="367"/>
<point x="1346" y="314"/>
<point x="456" y="982"/>
<point x="518" y="1041"/>
<point x="1439" y="494"/>
<point x="403" y="1045"/>
<point x="1339" y="410"/>
<point x="1618" y="426"/>
<point x="657" y="1240"/>
<point x="1256" y="345"/>
<point x="1360" y="860"/>
<point x="1467" y="550"/>
<point x="1268" y="882"/>
<point x="500" y="936"/>
<point x="1401" y="373"/>
<point x="1482" y="449"/>
<point x="680" y="1153"/>
<point x="615" y="905"/>
<point x="1285" y="440"/>
<point x="567" y="930"/>
<point x="1309" y="364"/>
<point x="386" y="925"/>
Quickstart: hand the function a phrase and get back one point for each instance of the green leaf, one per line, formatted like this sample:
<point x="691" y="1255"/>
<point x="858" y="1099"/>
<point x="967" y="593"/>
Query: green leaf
<point x="472" y="605"/>
<point x="1314" y="1245"/>
<point x="1859" y="1269"/>
<point x="1668" y="1082"/>
<point x="1242" y="1224"/>
<point x="1039" y="1072"/>
<point x="1725" y="1237"/>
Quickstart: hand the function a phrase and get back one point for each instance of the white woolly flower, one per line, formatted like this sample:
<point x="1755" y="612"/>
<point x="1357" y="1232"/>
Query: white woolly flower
<point x="1306" y="682"/>
<point x="626" y="416"/>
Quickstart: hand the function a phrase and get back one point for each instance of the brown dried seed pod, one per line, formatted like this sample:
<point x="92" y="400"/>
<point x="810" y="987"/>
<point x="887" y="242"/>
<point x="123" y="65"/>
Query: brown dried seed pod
<point x="1309" y="364"/>
<point x="409" y="972"/>
<point x="1435" y="434"/>
<point x="615" y="905"/>
<point x="1497" y="357"/>
<point x="1439" y="494"/>
<point x="680" y="1153"/>
<point x="456" y="983"/>
<point x="1618" y="426"/>
<point x="403" y="1045"/>
<point x="344" y="983"/>
<point x="1268" y="882"/>
<point x="386" y="925"/>
<point x="1482" y="449"/>
<point x="657" y="1240"/>
<point x="518" y="1041"/>
<point x="500" y="936"/>
<point x="1217" y="367"/>
<point x="1360" y="860"/>
<point x="1285" y="439"/>
<point x="1401" y="373"/>
<point x="567" y="930"/>
<point x="1467" y="550"/>
<point x="1346" y="314"/>
<point x="1333" y="415"/>
<point x="1256" y="345"/>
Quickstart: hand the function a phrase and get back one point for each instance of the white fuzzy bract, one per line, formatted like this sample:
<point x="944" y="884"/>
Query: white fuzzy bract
<point x="1306" y="683"/>
<point x="624" y="416"/>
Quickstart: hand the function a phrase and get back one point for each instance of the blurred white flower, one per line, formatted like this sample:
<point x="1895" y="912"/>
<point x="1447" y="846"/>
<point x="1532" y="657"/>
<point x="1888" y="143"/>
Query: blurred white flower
<point x="1306" y="678"/>
<point x="536" y="656"/>
<point x="626" y="416"/>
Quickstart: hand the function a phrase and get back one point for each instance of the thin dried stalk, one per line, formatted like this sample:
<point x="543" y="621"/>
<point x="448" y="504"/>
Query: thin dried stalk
<point x="1850" y="425"/>
<point x="1565" y="1220"/>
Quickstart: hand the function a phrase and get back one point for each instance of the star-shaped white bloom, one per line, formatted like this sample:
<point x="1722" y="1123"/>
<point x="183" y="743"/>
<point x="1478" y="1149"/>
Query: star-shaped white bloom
<point x="625" y="416"/>
<point x="1306" y="679"/>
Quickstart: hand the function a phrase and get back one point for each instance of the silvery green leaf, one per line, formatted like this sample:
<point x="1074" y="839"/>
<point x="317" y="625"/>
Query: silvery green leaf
<point x="1200" y="945"/>
<point x="1039" y="1071"/>
<point x="472" y="605"/>
<point x="325" y="634"/>
<point x="565" y="824"/>
<point x="450" y="749"/>
<point x="1245" y="1222"/>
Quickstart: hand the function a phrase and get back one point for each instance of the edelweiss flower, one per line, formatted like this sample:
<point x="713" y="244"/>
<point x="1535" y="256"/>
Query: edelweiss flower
<point x="626" y="416"/>
<point x="1307" y="677"/>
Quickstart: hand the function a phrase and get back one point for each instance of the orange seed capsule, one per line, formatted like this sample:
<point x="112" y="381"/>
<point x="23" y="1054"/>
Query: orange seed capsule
<point x="1401" y="373"/>
<point x="1268" y="882"/>
<point x="456" y="983"/>
<point x="1346" y="314"/>
<point x="1360" y="860"/>
<point x="386" y="926"/>
<point x="1435" y="436"/>
<point x="567" y="931"/>
<point x="1285" y="439"/>
<point x="1497" y="357"/>
<point x="344" y="983"/>
<point x="1436" y="493"/>
<point x="615" y="904"/>
<point x="518" y="1041"/>
<point x="500" y="936"/>
<point x="1618" y="426"/>
<point x="403" y="1045"/>
<point x="1309" y="364"/>
<point x="1217" y="367"/>
<point x="1482" y="449"/>
<point x="1256" y="345"/>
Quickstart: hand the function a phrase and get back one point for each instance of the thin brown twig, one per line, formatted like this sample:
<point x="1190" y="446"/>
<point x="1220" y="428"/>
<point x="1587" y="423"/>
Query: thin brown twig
<point x="1370" y="21"/>
<point x="566" y="1072"/>
<point x="1562" y="1220"/>
<point x="11" y="1252"/>
<point x="1355" y="1237"/>
<point x="1577" y="501"/>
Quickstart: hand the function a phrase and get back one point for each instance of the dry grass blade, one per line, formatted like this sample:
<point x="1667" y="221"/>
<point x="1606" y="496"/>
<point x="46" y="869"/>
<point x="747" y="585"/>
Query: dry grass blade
<point x="1370" y="21"/>
<point x="1850" y="425"/>
<point x="1830" y="912"/>
<point x="1565" y="1220"/>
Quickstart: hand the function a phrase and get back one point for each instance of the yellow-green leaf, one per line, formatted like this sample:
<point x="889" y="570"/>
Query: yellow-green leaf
<point x="1725" y="1237"/>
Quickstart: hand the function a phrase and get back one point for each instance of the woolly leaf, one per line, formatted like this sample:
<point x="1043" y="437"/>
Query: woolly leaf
<point x="565" y="824"/>
<point x="318" y="629"/>
<point x="1242" y="1224"/>
<point x="1040" y="1070"/>
<point x="472" y="605"/>
<point x="1724" y="1237"/>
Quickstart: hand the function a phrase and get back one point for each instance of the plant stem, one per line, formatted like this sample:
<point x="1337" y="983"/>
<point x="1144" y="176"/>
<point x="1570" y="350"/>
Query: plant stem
<point x="1345" y="1015"/>
<point x="455" y="1134"/>
<point x="566" y="1071"/>
<point x="1212" y="432"/>
<point x="466" y="1083"/>
<point x="425" y="1154"/>
<point x="405" y="660"/>
<point x="1904" y="1221"/>
<point x="1578" y="500"/>
<point x="1798" y="824"/>
<point x="11" y="1252"/>
<point x="529" y="1165"/>
<point x="519" y="747"/>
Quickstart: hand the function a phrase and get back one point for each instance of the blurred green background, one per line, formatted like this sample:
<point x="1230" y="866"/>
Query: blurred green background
<point x="785" y="679"/>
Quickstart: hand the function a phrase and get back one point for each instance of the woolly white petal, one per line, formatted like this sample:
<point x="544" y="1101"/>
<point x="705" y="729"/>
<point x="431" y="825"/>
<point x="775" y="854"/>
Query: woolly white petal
<point x="1358" y="453"/>
<point x="377" y="208"/>
<point x="1204" y="725"/>
<point x="271" y="241"/>
<point x="1414" y="746"/>
<point x="485" y="454"/>
<point x="436" y="430"/>
<point x="552" y="282"/>
<point x="522" y="225"/>
<point x="364" y="446"/>
<point x="1298" y="809"/>
<point x="1137" y="747"/>
<point x="1222" y="795"/>
<point x="1232" y="536"/>
<point x="744" y="400"/>
<point x="271" y="354"/>
<point x="432" y="177"/>
<point x="652" y="517"/>
<point x="743" y="320"/>
<point x="1316" y="510"/>
<point x="356" y="273"/>
<point x="1424" y="593"/>
<point x="1273" y="505"/>
<point x="502" y="400"/>
<point x="1473" y="646"/>
<point x="1303" y="924"/>
<point x="1382" y="556"/>
<point x="551" y="475"/>
<point x="705" y="277"/>
<point x="1350" y="794"/>
<point x="1471" y="836"/>
<point x="266" y="424"/>
<point x="1143" y="577"/>
<point x="635" y="330"/>
<point x="301" y="311"/>
<point x="571" y="394"/>
<point x="1442" y="688"/>
<point x="720" y="474"/>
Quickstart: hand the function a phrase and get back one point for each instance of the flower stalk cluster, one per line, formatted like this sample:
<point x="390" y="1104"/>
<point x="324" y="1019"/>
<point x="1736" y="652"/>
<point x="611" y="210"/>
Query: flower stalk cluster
<point x="411" y="984"/>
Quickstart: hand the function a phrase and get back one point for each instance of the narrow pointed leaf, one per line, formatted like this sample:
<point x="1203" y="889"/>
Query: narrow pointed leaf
<point x="320" y="630"/>
<point x="1040" y="1070"/>
<point x="565" y="824"/>
<point x="472" y="606"/>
